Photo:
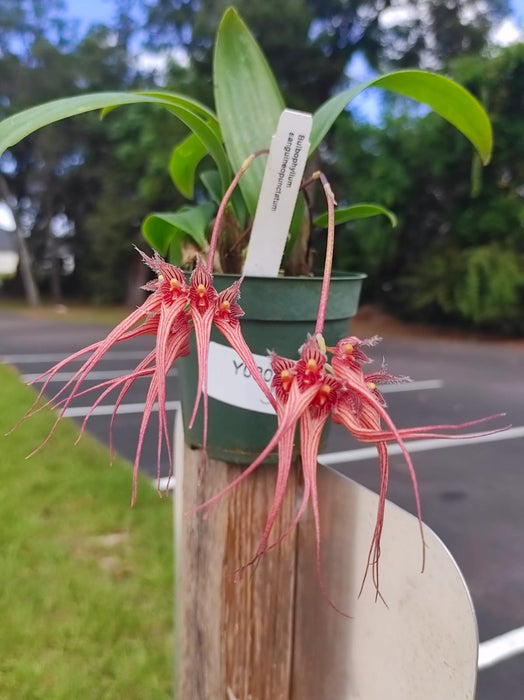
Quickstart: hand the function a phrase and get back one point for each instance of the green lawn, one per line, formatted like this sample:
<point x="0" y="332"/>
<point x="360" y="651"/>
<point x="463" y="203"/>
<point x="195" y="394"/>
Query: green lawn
<point x="86" y="582"/>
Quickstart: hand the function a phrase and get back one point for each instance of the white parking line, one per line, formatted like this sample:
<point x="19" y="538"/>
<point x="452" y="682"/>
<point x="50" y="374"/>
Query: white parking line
<point x="421" y="385"/>
<point x="492" y="651"/>
<point x="165" y="483"/>
<point x="29" y="358"/>
<point x="500" y="648"/>
<point x="92" y="376"/>
<point x="107" y="410"/>
<point x="418" y="446"/>
<point x="56" y="357"/>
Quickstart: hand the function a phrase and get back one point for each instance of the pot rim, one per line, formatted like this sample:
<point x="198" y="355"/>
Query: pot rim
<point x="335" y="275"/>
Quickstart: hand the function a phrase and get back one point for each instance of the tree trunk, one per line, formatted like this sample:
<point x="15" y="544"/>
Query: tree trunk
<point x="26" y="270"/>
<point x="56" y="287"/>
<point x="32" y="294"/>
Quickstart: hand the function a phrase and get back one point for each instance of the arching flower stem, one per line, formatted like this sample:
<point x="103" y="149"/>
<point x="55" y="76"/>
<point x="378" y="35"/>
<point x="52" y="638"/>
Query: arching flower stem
<point x="222" y="207"/>
<point x="330" y="244"/>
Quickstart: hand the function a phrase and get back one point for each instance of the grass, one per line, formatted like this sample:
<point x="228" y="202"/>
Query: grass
<point x="86" y="584"/>
<point x="71" y="312"/>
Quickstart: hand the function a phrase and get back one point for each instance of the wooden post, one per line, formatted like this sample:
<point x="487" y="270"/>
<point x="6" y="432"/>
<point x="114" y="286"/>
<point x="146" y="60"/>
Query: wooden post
<point x="269" y="634"/>
<point x="233" y="630"/>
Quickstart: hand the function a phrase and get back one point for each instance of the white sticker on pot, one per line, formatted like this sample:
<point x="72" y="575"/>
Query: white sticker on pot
<point x="278" y="195"/>
<point x="230" y="381"/>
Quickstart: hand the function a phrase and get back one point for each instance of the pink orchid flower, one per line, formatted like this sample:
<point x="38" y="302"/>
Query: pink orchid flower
<point x="208" y="307"/>
<point x="307" y="393"/>
<point x="162" y="314"/>
<point x="297" y="385"/>
<point x="170" y="313"/>
<point x="361" y="409"/>
<point x="172" y="310"/>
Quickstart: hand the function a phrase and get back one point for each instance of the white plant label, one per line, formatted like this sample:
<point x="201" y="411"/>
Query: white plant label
<point x="278" y="195"/>
<point x="230" y="381"/>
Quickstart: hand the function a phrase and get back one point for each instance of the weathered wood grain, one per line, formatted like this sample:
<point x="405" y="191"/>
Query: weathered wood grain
<point x="269" y="634"/>
<point x="234" y="629"/>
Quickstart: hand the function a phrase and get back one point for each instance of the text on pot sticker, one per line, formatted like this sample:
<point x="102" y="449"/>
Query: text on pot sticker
<point x="278" y="195"/>
<point x="230" y="381"/>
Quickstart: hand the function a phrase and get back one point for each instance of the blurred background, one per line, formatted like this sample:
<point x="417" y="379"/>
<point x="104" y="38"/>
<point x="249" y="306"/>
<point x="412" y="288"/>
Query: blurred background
<point x="457" y="256"/>
<point x="86" y="583"/>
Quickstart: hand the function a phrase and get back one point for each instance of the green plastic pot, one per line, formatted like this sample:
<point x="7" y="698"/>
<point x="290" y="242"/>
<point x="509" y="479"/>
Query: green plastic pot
<point x="279" y="314"/>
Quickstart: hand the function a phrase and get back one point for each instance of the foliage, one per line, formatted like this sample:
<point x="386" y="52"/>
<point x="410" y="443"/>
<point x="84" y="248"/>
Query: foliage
<point x="86" y="582"/>
<point x="249" y="104"/>
<point x="313" y="41"/>
<point x="80" y="169"/>
<point x="483" y="284"/>
<point x="308" y="50"/>
<point x="433" y="33"/>
<point x="435" y="265"/>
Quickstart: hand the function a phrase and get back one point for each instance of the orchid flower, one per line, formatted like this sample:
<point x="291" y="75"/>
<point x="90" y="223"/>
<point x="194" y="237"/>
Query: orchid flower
<point x="208" y="306"/>
<point x="202" y="300"/>
<point x="307" y="393"/>
<point x="170" y="312"/>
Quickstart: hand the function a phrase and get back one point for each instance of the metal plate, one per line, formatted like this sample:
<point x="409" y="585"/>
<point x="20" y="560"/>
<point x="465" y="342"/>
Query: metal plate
<point x="423" y="644"/>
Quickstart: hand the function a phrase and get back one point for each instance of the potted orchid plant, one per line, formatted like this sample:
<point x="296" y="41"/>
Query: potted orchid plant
<point x="328" y="379"/>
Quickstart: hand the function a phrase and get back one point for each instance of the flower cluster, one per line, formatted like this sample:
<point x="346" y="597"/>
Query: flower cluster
<point x="172" y="310"/>
<point x="325" y="382"/>
<point x="308" y="392"/>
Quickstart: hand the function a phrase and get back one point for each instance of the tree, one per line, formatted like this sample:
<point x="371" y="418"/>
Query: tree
<point x="77" y="170"/>
<point x="309" y="43"/>
<point x="431" y="33"/>
<point x="24" y="49"/>
<point x="458" y="253"/>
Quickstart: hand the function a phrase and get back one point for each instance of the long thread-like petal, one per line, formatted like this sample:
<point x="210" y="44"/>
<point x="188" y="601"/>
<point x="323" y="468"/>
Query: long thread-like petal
<point x="298" y="402"/>
<point x="364" y="434"/>
<point x="202" y="297"/>
<point x="142" y="370"/>
<point x="311" y="427"/>
<point x="122" y="329"/>
<point x="285" y="460"/>
<point x="359" y="388"/>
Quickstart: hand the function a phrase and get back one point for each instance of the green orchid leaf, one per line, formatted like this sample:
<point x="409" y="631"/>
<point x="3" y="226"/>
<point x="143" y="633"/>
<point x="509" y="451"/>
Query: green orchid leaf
<point x="175" y="250"/>
<point x="194" y="106"/>
<point x="211" y="181"/>
<point x="247" y="99"/>
<point x="159" y="229"/>
<point x="175" y="253"/>
<point x="158" y="232"/>
<point x="184" y="162"/>
<point x="209" y="139"/>
<point x="362" y="210"/>
<point x="192" y="113"/>
<point x="443" y="95"/>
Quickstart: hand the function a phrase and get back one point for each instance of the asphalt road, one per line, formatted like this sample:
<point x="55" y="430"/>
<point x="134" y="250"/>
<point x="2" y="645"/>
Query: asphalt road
<point x="472" y="493"/>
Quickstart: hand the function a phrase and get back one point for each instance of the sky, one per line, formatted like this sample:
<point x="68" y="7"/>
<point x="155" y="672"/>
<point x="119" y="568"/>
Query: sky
<point x="510" y="30"/>
<point x="91" y="11"/>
